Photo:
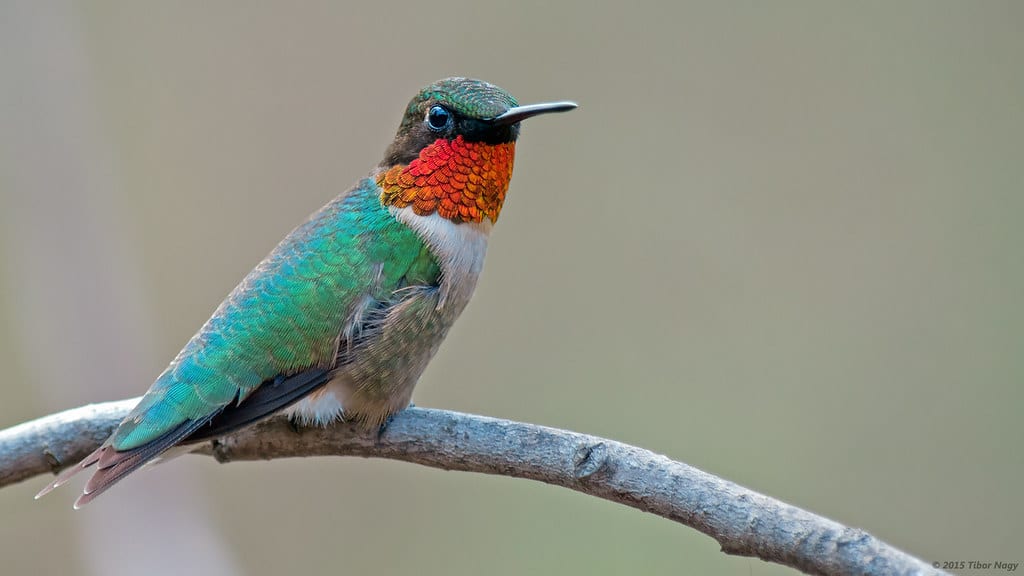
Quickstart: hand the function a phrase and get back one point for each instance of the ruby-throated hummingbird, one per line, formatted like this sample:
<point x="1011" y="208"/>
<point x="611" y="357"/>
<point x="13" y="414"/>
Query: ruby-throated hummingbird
<point x="343" y="316"/>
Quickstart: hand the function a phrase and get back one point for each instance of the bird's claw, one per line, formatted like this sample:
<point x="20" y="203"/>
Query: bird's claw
<point x="383" y="427"/>
<point x="387" y="422"/>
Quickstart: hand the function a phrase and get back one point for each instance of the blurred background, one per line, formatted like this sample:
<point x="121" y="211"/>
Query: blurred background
<point x="778" y="241"/>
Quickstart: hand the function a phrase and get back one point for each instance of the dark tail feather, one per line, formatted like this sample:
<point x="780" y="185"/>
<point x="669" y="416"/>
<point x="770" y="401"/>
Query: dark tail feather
<point x="113" y="465"/>
<point x="68" y="473"/>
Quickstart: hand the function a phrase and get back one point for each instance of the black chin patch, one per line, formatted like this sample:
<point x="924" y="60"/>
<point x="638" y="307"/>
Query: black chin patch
<point x="479" y="131"/>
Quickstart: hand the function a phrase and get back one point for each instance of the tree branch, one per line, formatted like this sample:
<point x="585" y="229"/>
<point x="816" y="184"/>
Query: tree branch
<point x="744" y="522"/>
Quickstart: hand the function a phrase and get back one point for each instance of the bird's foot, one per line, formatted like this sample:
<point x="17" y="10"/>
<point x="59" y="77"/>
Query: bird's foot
<point x="387" y="422"/>
<point x="382" y="428"/>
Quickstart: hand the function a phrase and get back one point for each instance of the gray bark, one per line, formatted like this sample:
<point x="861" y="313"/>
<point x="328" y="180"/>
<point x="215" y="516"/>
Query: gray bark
<point x="744" y="522"/>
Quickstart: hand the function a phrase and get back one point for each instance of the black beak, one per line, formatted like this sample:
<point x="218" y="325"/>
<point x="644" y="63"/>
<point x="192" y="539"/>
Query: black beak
<point x="520" y="113"/>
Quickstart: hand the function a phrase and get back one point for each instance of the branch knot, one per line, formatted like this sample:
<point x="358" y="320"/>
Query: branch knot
<point x="589" y="459"/>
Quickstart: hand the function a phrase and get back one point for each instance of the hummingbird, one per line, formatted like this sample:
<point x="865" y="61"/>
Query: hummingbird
<point x="343" y="316"/>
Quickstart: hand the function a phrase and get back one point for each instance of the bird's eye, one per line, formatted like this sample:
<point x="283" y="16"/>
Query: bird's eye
<point x="438" y="118"/>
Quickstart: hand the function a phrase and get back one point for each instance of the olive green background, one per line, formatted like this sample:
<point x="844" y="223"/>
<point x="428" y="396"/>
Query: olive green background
<point x="778" y="241"/>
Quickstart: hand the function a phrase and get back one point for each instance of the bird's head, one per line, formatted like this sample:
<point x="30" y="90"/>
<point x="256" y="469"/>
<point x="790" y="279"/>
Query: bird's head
<point x="454" y="150"/>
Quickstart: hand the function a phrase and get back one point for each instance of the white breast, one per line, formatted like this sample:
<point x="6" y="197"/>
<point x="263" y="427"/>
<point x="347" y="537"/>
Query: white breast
<point x="459" y="249"/>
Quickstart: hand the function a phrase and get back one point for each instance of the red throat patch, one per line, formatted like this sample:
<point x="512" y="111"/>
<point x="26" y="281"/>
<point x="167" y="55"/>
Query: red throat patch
<point x="461" y="181"/>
